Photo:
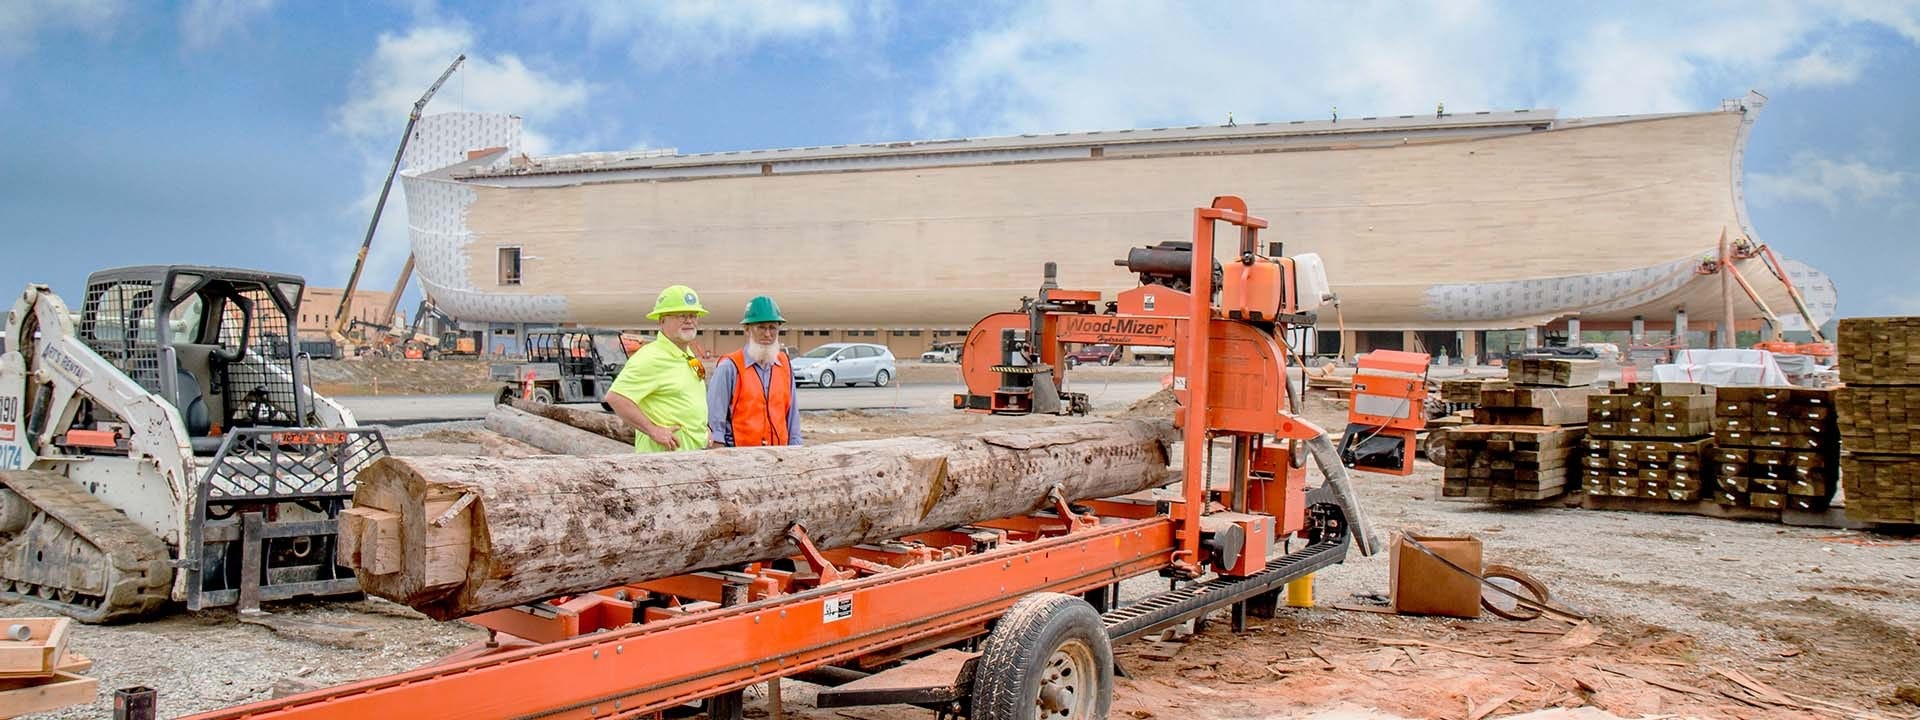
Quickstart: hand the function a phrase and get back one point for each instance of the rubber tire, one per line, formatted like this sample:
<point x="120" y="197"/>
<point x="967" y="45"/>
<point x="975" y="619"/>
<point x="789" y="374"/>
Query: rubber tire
<point x="1072" y="362"/>
<point x="1006" y="680"/>
<point x="505" y="396"/>
<point x="826" y="378"/>
<point x="543" y="396"/>
<point x="1105" y="361"/>
<point x="880" y="379"/>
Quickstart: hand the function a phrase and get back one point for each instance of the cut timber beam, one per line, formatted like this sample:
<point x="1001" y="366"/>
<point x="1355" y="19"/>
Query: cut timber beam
<point x="477" y="534"/>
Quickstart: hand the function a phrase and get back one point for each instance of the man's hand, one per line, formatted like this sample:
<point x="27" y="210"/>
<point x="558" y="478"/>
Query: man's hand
<point x="664" y="436"/>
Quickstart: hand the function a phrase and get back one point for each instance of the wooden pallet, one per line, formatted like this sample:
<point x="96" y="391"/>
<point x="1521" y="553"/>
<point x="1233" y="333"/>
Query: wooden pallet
<point x="39" y="655"/>
<point x="1703" y="508"/>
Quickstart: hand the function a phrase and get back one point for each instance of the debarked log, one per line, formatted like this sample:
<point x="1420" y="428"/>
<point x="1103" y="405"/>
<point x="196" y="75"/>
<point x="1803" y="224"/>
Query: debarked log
<point x="551" y="435"/>
<point x="604" y="424"/>
<point x="453" y="536"/>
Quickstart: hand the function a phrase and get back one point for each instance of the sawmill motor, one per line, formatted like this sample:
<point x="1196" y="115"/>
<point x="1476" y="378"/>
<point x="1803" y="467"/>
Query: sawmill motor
<point x="165" y="446"/>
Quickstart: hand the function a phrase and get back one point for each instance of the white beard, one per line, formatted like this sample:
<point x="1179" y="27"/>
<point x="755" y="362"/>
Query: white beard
<point x="763" y="353"/>
<point x="687" y="336"/>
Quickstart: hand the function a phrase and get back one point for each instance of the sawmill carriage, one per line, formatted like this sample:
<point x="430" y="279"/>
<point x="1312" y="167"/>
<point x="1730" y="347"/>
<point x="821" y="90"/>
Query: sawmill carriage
<point x="1008" y="614"/>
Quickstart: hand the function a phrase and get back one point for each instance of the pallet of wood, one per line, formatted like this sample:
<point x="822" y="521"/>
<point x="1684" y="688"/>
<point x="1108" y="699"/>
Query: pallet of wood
<point x="1509" y="462"/>
<point x="37" y="673"/>
<point x="1882" y="488"/>
<point x="1648" y="469"/>
<point x="1776" y="447"/>
<point x="1651" y="442"/>
<point x="1880" y="351"/>
<point x="1533" y="405"/>
<point x="1879" y="418"/>
<point x="1556" y="372"/>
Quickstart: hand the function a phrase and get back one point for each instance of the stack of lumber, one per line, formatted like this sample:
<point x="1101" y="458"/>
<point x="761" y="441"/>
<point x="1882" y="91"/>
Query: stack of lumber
<point x="1777" y="447"/>
<point x="1880" y="418"/>
<point x="1554" y="372"/>
<point x="1649" y="441"/>
<point x="37" y="674"/>
<point x="1508" y="462"/>
<point x="1512" y="404"/>
<point x="1464" y="392"/>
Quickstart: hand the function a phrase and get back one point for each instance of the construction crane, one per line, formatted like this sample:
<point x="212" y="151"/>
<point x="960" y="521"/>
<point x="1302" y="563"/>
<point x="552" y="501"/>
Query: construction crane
<point x="344" y="315"/>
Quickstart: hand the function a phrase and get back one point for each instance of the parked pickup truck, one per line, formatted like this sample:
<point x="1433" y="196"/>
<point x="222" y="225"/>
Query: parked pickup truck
<point x="1098" y="354"/>
<point x="942" y="353"/>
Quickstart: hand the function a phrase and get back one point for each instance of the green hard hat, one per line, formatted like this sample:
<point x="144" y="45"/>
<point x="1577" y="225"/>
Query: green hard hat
<point x="761" y="310"/>
<point x="676" y="299"/>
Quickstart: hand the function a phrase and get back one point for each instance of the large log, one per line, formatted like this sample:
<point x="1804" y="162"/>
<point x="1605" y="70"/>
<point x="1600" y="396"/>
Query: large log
<point x="552" y="436"/>
<point x="452" y="536"/>
<point x="604" y="424"/>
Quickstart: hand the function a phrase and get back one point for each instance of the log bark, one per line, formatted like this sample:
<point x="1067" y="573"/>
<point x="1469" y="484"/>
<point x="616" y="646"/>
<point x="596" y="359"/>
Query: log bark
<point x="453" y="536"/>
<point x="501" y="446"/>
<point x="604" y="424"/>
<point x="555" y="437"/>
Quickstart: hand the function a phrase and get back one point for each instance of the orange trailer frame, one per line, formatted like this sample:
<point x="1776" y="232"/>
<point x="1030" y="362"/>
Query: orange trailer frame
<point x="636" y="650"/>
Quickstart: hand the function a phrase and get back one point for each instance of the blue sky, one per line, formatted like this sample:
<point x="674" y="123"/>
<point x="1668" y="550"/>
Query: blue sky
<point x="254" y="132"/>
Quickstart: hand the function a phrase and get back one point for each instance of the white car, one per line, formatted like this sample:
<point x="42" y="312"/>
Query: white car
<point x="844" y="364"/>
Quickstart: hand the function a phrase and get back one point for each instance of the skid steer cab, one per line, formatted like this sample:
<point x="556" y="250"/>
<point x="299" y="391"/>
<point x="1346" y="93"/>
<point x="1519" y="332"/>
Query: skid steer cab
<point x="164" y="445"/>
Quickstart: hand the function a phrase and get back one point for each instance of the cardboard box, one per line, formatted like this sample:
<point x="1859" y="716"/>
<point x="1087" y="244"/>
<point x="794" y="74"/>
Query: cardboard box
<point x="1422" y="585"/>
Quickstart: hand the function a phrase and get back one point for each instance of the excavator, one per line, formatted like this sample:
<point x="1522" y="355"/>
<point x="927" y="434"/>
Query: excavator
<point x="163" y="446"/>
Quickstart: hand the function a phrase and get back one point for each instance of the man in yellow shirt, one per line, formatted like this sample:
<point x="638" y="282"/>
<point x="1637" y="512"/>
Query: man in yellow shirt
<point x="662" y="389"/>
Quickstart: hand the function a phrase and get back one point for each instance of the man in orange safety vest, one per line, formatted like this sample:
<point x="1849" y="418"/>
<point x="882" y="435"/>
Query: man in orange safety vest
<point x="748" y="409"/>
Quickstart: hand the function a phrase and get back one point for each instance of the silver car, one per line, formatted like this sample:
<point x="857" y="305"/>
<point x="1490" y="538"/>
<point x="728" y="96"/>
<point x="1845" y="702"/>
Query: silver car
<point x="844" y="364"/>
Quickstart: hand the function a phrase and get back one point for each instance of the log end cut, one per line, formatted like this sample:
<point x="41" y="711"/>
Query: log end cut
<point x="409" y="540"/>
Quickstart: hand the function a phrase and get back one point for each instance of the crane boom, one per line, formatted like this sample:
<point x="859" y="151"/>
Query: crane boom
<point x="341" y="316"/>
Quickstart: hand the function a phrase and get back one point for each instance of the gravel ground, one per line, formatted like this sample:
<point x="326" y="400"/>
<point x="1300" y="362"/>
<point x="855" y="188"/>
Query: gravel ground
<point x="1828" y="613"/>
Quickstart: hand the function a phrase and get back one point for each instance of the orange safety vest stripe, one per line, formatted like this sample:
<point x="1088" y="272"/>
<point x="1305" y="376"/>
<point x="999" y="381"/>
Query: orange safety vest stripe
<point x="759" y="415"/>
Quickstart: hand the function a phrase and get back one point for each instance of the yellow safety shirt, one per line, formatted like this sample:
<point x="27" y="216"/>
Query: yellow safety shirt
<point x="665" y="381"/>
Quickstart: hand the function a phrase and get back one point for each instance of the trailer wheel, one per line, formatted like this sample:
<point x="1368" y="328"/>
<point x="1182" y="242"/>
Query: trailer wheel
<point x="543" y="396"/>
<point x="1047" y="658"/>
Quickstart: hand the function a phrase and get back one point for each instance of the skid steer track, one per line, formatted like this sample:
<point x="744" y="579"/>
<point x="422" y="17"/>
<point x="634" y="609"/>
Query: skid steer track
<point x="77" y="555"/>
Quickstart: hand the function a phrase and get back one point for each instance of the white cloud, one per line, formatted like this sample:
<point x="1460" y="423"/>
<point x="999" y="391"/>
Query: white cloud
<point x="664" y="32"/>
<point x="1829" y="183"/>
<point x="1071" y="64"/>
<point x="22" y="21"/>
<point x="1822" y="67"/>
<point x="384" y="90"/>
<point x="204" y="22"/>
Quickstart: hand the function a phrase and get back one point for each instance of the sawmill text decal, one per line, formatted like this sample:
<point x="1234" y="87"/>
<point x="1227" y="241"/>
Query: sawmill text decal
<point x="1113" y="329"/>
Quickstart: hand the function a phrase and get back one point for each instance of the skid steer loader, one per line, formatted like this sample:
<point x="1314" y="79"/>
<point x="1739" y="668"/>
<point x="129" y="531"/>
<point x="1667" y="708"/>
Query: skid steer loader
<point x="162" y="446"/>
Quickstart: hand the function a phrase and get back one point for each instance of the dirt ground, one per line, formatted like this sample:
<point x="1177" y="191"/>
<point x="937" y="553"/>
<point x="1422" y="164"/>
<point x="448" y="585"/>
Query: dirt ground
<point x="451" y="376"/>
<point x="1818" y="622"/>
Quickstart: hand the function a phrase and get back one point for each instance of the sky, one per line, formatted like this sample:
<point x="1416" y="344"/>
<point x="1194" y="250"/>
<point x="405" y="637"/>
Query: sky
<point x="255" y="133"/>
